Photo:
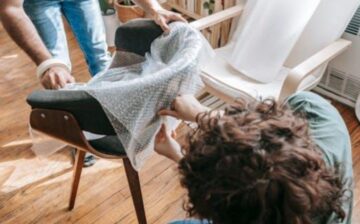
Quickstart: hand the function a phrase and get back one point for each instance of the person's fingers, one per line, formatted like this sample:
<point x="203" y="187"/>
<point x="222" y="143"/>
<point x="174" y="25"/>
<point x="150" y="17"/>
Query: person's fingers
<point x="52" y="80"/>
<point x="172" y="105"/>
<point x="167" y="112"/>
<point x="44" y="81"/>
<point x="163" y="24"/>
<point x="71" y="79"/>
<point x="56" y="78"/>
<point x="61" y="81"/>
<point x="173" y="134"/>
<point x="163" y="128"/>
<point x="50" y="83"/>
<point x="166" y="132"/>
<point x="177" y="17"/>
<point x="160" y="130"/>
<point x="160" y="135"/>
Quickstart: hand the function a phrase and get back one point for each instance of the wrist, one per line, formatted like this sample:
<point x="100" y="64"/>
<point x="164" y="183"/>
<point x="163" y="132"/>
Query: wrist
<point x="177" y="157"/>
<point x="49" y="63"/>
<point x="176" y="154"/>
<point x="154" y="9"/>
<point x="39" y="58"/>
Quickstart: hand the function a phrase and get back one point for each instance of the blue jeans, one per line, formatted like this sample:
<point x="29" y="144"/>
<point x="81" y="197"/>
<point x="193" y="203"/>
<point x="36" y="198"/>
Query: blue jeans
<point x="85" y="20"/>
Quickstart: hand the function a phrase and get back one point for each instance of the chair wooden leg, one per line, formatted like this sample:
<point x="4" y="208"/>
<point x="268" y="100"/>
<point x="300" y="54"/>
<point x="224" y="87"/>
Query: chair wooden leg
<point x="135" y="189"/>
<point x="79" y="162"/>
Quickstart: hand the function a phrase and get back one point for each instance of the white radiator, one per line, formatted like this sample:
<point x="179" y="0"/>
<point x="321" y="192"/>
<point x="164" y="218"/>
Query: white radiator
<point x="341" y="80"/>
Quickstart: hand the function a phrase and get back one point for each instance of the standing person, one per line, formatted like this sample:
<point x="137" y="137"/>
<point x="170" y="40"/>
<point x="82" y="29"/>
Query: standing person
<point x="85" y="20"/>
<point x="43" y="38"/>
<point x="40" y="33"/>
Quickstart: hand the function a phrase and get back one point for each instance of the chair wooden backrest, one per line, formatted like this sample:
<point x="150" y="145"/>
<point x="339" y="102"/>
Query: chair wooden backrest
<point x="63" y="125"/>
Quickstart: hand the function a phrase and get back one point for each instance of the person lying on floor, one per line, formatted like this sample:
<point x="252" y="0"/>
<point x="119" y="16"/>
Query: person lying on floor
<point x="261" y="162"/>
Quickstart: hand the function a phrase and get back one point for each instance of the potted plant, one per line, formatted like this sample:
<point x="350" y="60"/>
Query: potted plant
<point x="110" y="21"/>
<point x="127" y="10"/>
<point x="209" y="6"/>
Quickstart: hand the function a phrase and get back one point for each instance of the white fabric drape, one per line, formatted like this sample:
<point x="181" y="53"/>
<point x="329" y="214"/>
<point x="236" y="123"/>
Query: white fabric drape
<point x="266" y="35"/>
<point x="326" y="25"/>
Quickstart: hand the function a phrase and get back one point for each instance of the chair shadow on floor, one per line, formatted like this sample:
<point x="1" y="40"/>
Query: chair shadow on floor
<point x="5" y="172"/>
<point x="12" y="156"/>
<point x="37" y="198"/>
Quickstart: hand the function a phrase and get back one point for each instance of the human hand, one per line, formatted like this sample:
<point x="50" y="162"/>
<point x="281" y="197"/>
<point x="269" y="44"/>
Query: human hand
<point x="166" y="145"/>
<point x="185" y="107"/>
<point x="56" y="77"/>
<point x="162" y="17"/>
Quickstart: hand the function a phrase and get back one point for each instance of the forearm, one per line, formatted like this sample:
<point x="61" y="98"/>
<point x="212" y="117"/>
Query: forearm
<point x="23" y="32"/>
<point x="150" y="6"/>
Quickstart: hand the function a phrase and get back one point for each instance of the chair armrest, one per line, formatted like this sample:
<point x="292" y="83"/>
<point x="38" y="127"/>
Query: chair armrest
<point x="303" y="70"/>
<point x="217" y="17"/>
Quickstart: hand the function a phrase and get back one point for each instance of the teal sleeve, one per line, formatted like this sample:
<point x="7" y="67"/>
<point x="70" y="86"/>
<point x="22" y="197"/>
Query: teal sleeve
<point x="329" y="132"/>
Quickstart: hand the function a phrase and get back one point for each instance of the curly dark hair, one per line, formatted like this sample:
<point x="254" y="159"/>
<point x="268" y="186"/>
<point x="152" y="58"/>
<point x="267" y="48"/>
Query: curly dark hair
<point x="258" y="164"/>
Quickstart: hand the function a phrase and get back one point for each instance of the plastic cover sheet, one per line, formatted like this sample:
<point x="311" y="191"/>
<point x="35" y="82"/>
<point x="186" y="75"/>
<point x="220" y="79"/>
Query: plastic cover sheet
<point x="267" y="33"/>
<point x="132" y="95"/>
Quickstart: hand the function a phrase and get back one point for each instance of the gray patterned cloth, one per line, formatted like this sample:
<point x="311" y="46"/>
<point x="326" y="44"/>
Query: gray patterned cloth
<point x="132" y="94"/>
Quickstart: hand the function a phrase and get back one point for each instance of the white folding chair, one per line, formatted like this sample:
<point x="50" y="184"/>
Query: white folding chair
<point x="302" y="70"/>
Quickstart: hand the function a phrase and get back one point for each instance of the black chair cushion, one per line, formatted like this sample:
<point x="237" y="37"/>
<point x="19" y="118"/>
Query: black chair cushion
<point x="110" y="145"/>
<point x="87" y="112"/>
<point x="137" y="35"/>
<point x="86" y="109"/>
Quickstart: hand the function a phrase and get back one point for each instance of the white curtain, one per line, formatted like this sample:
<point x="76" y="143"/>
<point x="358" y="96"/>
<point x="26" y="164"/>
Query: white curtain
<point x="327" y="25"/>
<point x="267" y="33"/>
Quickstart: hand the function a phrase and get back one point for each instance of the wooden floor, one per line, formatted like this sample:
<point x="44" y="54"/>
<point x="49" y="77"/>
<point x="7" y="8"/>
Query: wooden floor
<point x="36" y="190"/>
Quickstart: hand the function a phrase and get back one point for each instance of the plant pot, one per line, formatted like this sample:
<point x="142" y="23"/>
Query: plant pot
<point x="128" y="12"/>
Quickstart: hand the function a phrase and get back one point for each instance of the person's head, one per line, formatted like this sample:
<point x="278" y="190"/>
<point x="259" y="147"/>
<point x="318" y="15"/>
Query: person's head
<point x="258" y="164"/>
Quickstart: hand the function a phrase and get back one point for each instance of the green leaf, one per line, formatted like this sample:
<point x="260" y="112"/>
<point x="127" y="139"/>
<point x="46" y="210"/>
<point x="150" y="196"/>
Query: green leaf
<point x="206" y="5"/>
<point x="105" y="7"/>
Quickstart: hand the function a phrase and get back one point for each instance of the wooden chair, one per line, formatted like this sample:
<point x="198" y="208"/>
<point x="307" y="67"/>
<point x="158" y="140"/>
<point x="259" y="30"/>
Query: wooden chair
<point x="65" y="114"/>
<point x="63" y="125"/>
<point x="225" y="82"/>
